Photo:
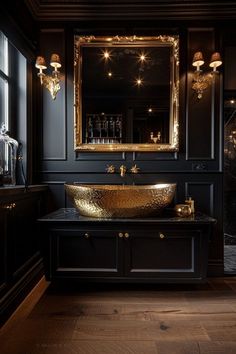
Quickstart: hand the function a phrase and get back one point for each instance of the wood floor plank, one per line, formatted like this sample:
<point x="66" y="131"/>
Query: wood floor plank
<point x="41" y="328"/>
<point x="221" y="330"/>
<point x="139" y="330"/>
<point x="102" y="347"/>
<point x="177" y="347"/>
<point x="217" y="347"/>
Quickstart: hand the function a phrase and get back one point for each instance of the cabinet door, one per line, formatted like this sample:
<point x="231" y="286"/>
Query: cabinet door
<point x="23" y="244"/>
<point x="85" y="253"/>
<point x="166" y="254"/>
<point x="3" y="250"/>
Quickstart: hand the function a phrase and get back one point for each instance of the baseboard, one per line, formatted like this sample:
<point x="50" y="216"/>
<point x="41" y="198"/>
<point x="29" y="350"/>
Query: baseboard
<point x="215" y="268"/>
<point x="17" y="293"/>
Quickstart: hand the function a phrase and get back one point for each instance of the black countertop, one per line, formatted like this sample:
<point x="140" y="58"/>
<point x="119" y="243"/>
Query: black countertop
<point x="70" y="215"/>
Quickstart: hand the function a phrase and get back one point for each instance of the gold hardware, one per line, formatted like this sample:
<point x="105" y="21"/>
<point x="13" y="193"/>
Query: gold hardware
<point x="126" y="235"/>
<point x="135" y="169"/>
<point x="202" y="81"/>
<point x="123" y="170"/>
<point x="120" y="234"/>
<point x="162" y="236"/>
<point x="182" y="210"/>
<point x="8" y="206"/>
<point x="189" y="201"/>
<point x="110" y="169"/>
<point x="86" y="235"/>
<point x="52" y="83"/>
<point x="155" y="138"/>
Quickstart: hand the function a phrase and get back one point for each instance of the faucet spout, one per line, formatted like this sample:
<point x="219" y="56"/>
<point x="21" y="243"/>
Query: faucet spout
<point x="122" y="170"/>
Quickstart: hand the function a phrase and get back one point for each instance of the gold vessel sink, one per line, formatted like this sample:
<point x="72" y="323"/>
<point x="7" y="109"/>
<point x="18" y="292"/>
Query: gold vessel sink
<point x="120" y="201"/>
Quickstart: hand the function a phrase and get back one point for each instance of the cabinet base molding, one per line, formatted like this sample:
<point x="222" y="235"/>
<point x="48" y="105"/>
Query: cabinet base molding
<point x="215" y="269"/>
<point x="20" y="290"/>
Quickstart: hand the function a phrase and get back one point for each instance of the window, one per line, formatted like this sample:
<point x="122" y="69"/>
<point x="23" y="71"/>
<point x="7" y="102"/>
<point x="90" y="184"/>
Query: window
<point x="13" y="93"/>
<point x="4" y="81"/>
<point x="13" y="85"/>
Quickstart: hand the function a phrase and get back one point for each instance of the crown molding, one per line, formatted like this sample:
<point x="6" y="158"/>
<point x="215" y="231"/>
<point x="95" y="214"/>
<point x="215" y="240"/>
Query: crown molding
<point x="87" y="10"/>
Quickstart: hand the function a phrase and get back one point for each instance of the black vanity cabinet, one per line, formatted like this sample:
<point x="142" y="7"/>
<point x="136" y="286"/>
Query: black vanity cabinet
<point x="21" y="263"/>
<point x="161" y="250"/>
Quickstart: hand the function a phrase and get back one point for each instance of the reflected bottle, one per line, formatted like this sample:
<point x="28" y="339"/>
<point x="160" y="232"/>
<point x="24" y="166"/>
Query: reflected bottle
<point x="8" y="155"/>
<point x="90" y="130"/>
<point x="118" y="127"/>
<point x="111" y="127"/>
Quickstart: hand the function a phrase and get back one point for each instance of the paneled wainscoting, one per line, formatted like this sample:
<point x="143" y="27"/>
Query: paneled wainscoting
<point x="126" y="319"/>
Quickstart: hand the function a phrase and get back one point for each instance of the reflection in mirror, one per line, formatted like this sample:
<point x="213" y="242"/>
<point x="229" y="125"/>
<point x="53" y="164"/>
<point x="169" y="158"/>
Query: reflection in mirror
<point x="126" y="93"/>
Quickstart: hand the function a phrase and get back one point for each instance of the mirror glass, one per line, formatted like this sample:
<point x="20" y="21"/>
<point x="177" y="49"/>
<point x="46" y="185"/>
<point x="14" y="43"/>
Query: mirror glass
<point x="126" y="93"/>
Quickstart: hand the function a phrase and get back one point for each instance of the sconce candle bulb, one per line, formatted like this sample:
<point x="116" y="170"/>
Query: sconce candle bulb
<point x="52" y="83"/>
<point x="198" y="60"/>
<point x="41" y="65"/>
<point x="55" y="61"/>
<point x="215" y="61"/>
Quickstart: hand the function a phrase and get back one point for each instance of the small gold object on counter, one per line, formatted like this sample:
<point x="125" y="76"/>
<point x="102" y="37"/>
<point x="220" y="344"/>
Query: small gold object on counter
<point x="189" y="201"/>
<point x="182" y="210"/>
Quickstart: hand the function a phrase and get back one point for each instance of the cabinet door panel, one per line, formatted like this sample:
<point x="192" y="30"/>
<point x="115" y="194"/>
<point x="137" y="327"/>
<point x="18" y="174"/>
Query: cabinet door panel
<point x="85" y="253"/>
<point x="3" y="251"/>
<point x="23" y="240"/>
<point x="162" y="253"/>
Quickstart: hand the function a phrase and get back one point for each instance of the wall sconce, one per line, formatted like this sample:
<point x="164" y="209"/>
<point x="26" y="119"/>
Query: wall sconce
<point x="201" y="81"/>
<point x="52" y="83"/>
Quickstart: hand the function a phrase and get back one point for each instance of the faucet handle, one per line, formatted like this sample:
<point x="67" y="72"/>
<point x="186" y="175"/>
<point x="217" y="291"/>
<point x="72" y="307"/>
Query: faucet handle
<point x="135" y="169"/>
<point x="110" y="169"/>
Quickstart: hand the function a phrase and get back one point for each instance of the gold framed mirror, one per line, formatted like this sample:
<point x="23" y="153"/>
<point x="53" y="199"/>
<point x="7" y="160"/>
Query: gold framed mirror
<point x="126" y="93"/>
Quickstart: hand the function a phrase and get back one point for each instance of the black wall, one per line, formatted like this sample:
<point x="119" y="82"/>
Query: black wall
<point x="197" y="167"/>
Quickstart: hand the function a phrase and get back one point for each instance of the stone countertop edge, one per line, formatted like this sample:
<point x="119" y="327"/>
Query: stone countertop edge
<point x="71" y="215"/>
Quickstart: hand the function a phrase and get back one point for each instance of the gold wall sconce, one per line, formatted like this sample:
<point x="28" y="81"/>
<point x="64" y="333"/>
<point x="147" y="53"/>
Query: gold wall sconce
<point x="201" y="81"/>
<point x="52" y="83"/>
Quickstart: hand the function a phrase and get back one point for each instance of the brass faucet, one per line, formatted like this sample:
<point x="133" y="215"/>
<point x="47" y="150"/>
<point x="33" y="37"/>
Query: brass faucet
<point x="122" y="170"/>
<point x="134" y="169"/>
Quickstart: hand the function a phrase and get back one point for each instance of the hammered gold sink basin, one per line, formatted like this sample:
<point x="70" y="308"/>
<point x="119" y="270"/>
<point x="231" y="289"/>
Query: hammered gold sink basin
<point x="118" y="201"/>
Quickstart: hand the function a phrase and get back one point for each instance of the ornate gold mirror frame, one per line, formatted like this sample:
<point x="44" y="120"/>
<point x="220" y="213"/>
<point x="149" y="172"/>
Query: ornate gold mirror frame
<point x="163" y="40"/>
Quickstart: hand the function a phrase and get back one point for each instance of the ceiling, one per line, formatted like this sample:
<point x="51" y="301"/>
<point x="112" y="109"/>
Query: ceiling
<point x="87" y="10"/>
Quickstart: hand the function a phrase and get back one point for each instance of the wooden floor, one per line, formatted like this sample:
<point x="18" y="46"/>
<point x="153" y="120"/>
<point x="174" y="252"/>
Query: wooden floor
<point x="183" y="319"/>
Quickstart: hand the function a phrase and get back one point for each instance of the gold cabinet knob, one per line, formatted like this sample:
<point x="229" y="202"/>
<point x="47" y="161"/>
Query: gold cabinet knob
<point x="86" y="235"/>
<point x="120" y="234"/>
<point x="126" y="235"/>
<point x="161" y="236"/>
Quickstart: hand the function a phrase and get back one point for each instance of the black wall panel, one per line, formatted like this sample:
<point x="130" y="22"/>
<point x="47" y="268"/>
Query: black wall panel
<point x="54" y="116"/>
<point x="200" y="114"/>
